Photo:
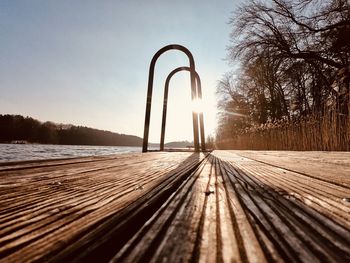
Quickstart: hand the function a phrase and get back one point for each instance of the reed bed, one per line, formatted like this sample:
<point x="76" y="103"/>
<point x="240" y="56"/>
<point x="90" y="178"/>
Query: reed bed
<point x="326" y="132"/>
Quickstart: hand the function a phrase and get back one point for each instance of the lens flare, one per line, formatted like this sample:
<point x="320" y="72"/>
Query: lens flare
<point x="232" y="113"/>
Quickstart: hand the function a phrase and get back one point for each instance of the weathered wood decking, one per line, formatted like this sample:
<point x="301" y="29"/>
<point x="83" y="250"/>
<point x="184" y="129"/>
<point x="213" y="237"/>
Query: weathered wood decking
<point x="227" y="206"/>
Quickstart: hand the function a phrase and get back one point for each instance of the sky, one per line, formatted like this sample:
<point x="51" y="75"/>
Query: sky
<point x="86" y="62"/>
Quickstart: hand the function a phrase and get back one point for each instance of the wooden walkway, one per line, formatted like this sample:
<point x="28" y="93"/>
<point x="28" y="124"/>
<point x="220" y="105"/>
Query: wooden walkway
<point x="227" y="206"/>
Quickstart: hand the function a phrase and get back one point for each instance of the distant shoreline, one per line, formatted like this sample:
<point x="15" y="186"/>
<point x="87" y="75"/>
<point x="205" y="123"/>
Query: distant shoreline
<point x="26" y="130"/>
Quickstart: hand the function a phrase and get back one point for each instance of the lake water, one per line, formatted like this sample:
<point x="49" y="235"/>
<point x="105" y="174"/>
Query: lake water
<point x="24" y="152"/>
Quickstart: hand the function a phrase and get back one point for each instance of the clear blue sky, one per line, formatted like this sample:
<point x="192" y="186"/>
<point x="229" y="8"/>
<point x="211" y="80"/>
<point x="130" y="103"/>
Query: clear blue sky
<point x="86" y="62"/>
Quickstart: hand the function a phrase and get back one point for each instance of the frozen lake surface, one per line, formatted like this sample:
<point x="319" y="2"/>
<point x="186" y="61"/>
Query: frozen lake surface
<point x="24" y="152"/>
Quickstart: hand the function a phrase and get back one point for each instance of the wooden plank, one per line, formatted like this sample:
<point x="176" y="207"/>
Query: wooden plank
<point x="195" y="224"/>
<point x="40" y="217"/>
<point x="326" y="197"/>
<point x="166" y="232"/>
<point x="307" y="226"/>
<point x="227" y="206"/>
<point x="332" y="167"/>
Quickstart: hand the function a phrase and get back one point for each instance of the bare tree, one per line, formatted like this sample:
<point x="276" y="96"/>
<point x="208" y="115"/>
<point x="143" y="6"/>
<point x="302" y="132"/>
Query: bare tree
<point x="294" y="57"/>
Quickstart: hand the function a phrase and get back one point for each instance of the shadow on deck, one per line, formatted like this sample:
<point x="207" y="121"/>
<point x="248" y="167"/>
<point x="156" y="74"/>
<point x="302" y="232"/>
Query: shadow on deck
<point x="176" y="206"/>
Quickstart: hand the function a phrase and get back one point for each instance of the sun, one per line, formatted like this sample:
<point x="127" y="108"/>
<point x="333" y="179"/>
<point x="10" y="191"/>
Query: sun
<point x="197" y="105"/>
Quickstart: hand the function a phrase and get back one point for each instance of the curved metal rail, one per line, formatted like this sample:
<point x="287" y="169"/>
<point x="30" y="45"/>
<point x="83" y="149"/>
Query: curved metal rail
<point x="150" y="89"/>
<point x="165" y="105"/>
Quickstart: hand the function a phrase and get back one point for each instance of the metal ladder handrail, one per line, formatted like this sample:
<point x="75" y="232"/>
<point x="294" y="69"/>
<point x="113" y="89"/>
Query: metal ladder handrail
<point x="165" y="104"/>
<point x="150" y="89"/>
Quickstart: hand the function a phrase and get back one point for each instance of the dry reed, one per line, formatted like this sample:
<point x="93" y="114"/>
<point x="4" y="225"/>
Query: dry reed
<point x="327" y="132"/>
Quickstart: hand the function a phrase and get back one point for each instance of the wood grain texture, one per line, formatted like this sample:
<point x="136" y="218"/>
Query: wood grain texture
<point x="303" y="216"/>
<point x="227" y="206"/>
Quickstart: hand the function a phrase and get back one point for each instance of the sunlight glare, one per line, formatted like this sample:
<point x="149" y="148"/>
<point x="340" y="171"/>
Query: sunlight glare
<point x="197" y="105"/>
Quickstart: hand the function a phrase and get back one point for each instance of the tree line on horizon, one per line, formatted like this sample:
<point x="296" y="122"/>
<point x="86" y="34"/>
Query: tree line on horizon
<point x="291" y="88"/>
<point x="19" y="128"/>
